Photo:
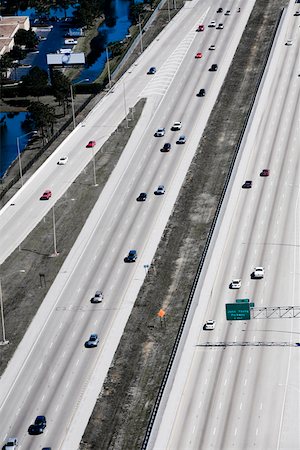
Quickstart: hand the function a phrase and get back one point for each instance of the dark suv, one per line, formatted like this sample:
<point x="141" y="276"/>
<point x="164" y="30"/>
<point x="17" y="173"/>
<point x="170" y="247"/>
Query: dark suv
<point x="247" y="184"/>
<point x="131" y="257"/>
<point x="38" y="426"/>
<point x="166" y="147"/>
<point x="214" y="68"/>
<point x="142" y="197"/>
<point x="201" y="93"/>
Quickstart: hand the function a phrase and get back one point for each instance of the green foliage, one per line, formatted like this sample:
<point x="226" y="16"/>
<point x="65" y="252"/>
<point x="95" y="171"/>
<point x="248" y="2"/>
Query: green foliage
<point x="135" y="11"/>
<point x="61" y="87"/>
<point x="87" y="10"/>
<point x="35" y="82"/>
<point x="27" y="38"/>
<point x="43" y="116"/>
<point x="116" y="48"/>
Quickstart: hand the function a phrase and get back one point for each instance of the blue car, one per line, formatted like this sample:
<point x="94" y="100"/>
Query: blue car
<point x="151" y="71"/>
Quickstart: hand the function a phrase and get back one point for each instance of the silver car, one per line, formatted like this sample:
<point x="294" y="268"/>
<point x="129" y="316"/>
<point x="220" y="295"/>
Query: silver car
<point x="160" y="190"/>
<point x="93" y="341"/>
<point x="11" y="444"/>
<point x="98" y="297"/>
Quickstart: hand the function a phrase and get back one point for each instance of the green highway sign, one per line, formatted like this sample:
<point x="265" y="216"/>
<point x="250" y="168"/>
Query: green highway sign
<point x="242" y="300"/>
<point x="237" y="311"/>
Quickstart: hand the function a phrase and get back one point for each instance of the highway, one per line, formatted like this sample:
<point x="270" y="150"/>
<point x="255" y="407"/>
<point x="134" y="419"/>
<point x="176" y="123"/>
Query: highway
<point x="52" y="373"/>
<point x="238" y="385"/>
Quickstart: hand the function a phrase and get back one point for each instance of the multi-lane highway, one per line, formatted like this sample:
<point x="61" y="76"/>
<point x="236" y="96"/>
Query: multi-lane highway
<point x="52" y="373"/>
<point x="245" y="393"/>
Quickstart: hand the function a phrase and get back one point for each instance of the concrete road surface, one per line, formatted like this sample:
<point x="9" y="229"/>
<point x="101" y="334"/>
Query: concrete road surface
<point x="52" y="373"/>
<point x="238" y="385"/>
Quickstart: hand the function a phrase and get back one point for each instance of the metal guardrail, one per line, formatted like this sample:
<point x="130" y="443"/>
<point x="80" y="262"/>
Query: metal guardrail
<point x="200" y="266"/>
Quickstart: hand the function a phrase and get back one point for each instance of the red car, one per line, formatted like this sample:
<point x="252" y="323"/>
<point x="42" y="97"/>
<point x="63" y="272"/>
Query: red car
<point x="200" y="28"/>
<point x="91" y="144"/>
<point x="265" y="173"/>
<point x="46" y="195"/>
<point x="198" y="55"/>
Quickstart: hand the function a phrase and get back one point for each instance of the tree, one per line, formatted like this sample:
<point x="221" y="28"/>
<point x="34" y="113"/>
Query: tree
<point x="27" y="38"/>
<point x="43" y="117"/>
<point x="87" y="10"/>
<point x="5" y="64"/>
<point x="35" y="82"/>
<point x="135" y="10"/>
<point x="61" y="88"/>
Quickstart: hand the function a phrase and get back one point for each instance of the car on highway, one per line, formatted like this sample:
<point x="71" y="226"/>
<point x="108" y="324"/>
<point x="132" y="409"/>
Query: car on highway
<point x="181" y="139"/>
<point x="62" y="161"/>
<point x="227" y="13"/>
<point x="213" y="68"/>
<point x="247" y="184"/>
<point x="297" y="13"/>
<point x="151" y="71"/>
<point x="201" y="93"/>
<point x="142" y="197"/>
<point x="212" y="23"/>
<point x="11" y="444"/>
<point x="219" y="10"/>
<point x="176" y="126"/>
<point x="220" y="26"/>
<point x="200" y="28"/>
<point x="265" y="173"/>
<point x="166" y="147"/>
<point x="93" y="341"/>
<point x="198" y="55"/>
<point x="91" y="144"/>
<point x="209" y="325"/>
<point x="160" y="132"/>
<point x="38" y="426"/>
<point x="258" y="272"/>
<point x="160" y="190"/>
<point x="131" y="257"/>
<point x="46" y="195"/>
<point x="289" y="42"/>
<point x="98" y="297"/>
<point x="212" y="47"/>
<point x="236" y="283"/>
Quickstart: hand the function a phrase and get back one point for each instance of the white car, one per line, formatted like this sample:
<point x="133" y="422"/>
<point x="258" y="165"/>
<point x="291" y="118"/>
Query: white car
<point x="289" y="42"/>
<point x="212" y="47"/>
<point x="213" y="23"/>
<point x="227" y="13"/>
<point x="220" y="26"/>
<point x="160" y="132"/>
<point x="160" y="190"/>
<point x="11" y="444"/>
<point x="258" y="272"/>
<point x="176" y="126"/>
<point x="236" y="283"/>
<point x="62" y="161"/>
<point x="209" y="325"/>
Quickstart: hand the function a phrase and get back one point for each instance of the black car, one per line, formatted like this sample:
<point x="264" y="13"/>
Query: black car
<point x="38" y="426"/>
<point x="131" y="257"/>
<point x="247" y="184"/>
<point x="213" y="68"/>
<point x="166" y="147"/>
<point x="220" y="10"/>
<point x="151" y="71"/>
<point x="142" y="197"/>
<point x="201" y="93"/>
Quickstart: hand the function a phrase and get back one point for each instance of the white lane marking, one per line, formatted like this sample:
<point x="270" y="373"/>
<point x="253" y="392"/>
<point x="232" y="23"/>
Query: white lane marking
<point x="60" y="325"/>
<point x="249" y="360"/>
<point x="214" y="432"/>
<point x="51" y="344"/>
<point x="256" y="432"/>
<point x="77" y="362"/>
<point x="220" y="405"/>
<point x="194" y="429"/>
<point x="261" y="406"/>
<point x="40" y="366"/>
<point x="245" y="382"/>
<point x="225" y="382"/>
<point x="235" y="431"/>
<point x="241" y="405"/>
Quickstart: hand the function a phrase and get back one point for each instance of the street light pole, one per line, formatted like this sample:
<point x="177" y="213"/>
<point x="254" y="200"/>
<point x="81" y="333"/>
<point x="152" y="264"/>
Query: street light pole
<point x="55" y="253"/>
<point x="94" y="168"/>
<point x="108" y="69"/>
<point x="19" y="158"/>
<point x="141" y="34"/>
<point x="125" y="106"/>
<point x="19" y="153"/>
<point x="4" y="340"/>
<point x="72" y="99"/>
